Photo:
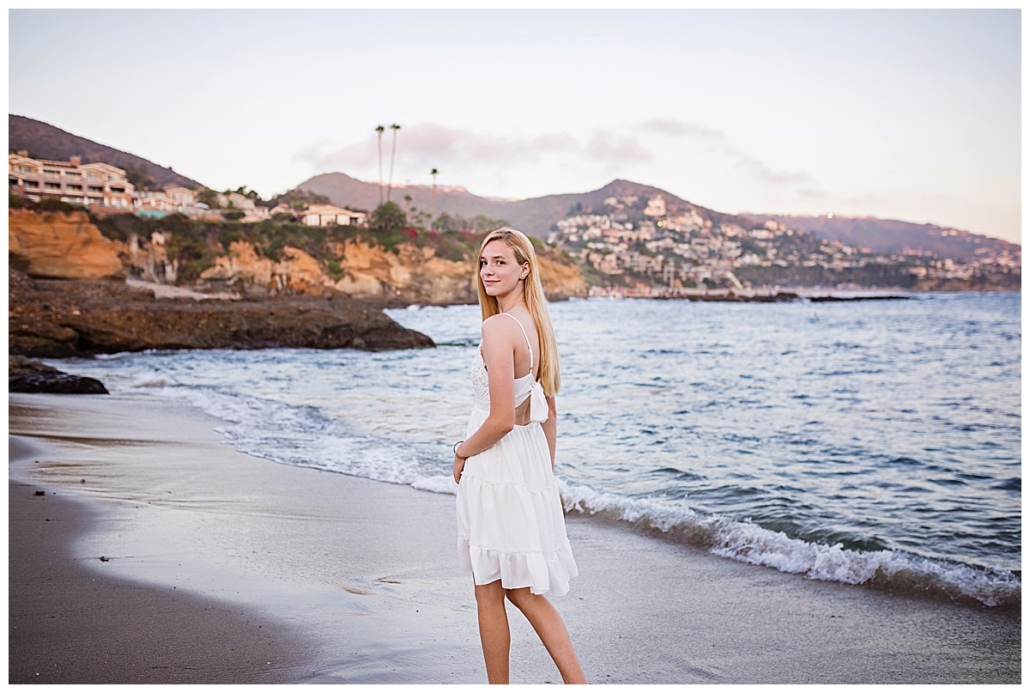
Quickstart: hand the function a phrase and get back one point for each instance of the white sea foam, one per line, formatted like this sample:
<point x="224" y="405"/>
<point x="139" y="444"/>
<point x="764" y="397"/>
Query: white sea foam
<point x="750" y="543"/>
<point x="436" y="484"/>
<point x="305" y="437"/>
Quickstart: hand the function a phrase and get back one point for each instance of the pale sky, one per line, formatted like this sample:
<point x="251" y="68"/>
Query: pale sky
<point x="911" y="115"/>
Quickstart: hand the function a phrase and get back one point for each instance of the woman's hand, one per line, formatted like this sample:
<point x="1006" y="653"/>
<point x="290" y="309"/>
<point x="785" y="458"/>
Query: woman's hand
<point x="459" y="465"/>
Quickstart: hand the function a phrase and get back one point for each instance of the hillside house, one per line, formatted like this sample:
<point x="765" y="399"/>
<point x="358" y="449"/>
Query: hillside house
<point x="326" y="215"/>
<point x="234" y="200"/>
<point x="99" y="184"/>
<point x="154" y="201"/>
<point x="251" y="212"/>
<point x="180" y="196"/>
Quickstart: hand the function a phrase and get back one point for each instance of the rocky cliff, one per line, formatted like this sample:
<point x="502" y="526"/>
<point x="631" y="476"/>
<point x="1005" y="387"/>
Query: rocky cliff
<point x="68" y="246"/>
<point x="61" y="246"/>
<point x="412" y="274"/>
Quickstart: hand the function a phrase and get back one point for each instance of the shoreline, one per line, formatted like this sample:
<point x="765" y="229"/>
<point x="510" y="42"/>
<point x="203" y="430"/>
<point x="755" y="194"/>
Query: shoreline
<point x="69" y="624"/>
<point x="359" y="582"/>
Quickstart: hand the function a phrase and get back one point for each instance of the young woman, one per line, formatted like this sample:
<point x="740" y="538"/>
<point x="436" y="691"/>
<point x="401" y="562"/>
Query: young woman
<point x="511" y="530"/>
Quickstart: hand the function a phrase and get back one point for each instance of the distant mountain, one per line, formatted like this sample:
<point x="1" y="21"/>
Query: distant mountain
<point x="536" y="215"/>
<point x="342" y="190"/>
<point x="892" y="236"/>
<point x="44" y="141"/>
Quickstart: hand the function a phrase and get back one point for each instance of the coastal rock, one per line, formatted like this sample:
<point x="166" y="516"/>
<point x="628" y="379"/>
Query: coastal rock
<point x="67" y="246"/>
<point x="26" y="375"/>
<point x="62" y="246"/>
<point x="417" y="275"/>
<point x="301" y="273"/>
<point x="412" y="274"/>
<point x="242" y="263"/>
<point x="65" y="318"/>
<point x="296" y="272"/>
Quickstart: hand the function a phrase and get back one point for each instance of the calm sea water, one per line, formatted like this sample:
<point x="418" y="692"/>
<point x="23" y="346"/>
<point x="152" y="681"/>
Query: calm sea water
<point x="869" y="443"/>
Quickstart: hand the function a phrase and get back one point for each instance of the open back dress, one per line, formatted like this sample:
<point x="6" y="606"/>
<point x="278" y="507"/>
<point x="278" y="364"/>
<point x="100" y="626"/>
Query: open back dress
<point x="510" y="521"/>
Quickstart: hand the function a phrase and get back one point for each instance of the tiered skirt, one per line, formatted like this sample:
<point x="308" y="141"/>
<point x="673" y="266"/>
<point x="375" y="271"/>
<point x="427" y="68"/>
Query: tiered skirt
<point x="511" y="526"/>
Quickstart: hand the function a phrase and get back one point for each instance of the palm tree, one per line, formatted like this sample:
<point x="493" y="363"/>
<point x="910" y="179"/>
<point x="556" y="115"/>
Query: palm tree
<point x="379" y="131"/>
<point x="393" y="150"/>
<point x="432" y="198"/>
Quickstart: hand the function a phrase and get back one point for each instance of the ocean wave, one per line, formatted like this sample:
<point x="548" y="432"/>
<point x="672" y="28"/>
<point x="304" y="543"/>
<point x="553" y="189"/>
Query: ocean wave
<point x="301" y="436"/>
<point x="891" y="571"/>
<point x="306" y="435"/>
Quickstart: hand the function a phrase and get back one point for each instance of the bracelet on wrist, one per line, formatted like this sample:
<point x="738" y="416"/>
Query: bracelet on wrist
<point x="455" y="448"/>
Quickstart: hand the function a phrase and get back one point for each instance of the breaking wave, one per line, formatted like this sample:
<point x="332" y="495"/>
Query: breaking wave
<point x="888" y="570"/>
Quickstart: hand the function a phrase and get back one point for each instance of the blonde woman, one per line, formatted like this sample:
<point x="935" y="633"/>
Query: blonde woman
<point x="511" y="529"/>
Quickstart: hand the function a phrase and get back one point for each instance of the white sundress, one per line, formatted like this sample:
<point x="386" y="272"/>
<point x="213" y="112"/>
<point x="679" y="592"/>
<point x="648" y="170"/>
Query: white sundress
<point x="510" y="521"/>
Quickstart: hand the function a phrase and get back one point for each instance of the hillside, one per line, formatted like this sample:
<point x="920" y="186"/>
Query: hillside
<point x="342" y="190"/>
<point x="44" y="141"/>
<point x="536" y="216"/>
<point x="892" y="236"/>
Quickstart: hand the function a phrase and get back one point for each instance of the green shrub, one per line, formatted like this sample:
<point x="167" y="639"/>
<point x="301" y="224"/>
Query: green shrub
<point x="55" y="204"/>
<point x="118" y="227"/>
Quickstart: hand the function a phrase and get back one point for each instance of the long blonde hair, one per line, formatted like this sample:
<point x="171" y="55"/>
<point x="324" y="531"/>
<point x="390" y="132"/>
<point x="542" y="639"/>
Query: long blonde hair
<point x="536" y="302"/>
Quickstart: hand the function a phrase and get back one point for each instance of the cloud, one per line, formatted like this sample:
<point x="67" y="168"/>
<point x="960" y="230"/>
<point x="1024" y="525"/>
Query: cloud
<point x="677" y="128"/>
<point x="812" y="194"/>
<point x="767" y="175"/>
<point x="428" y="144"/>
<point x="614" y="149"/>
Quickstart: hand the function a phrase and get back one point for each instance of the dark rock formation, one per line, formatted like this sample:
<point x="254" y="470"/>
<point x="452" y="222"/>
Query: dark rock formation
<point x="54" y="318"/>
<point x="835" y="299"/>
<point x="25" y="375"/>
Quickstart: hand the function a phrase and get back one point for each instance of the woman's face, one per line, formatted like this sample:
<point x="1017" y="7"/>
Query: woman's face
<point x="499" y="270"/>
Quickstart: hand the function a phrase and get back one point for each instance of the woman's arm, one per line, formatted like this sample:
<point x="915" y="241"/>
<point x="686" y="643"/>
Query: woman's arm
<point x="551" y="427"/>
<point x="499" y="357"/>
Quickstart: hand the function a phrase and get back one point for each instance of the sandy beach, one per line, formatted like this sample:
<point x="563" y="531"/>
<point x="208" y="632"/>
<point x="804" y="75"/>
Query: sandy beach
<point x="226" y="568"/>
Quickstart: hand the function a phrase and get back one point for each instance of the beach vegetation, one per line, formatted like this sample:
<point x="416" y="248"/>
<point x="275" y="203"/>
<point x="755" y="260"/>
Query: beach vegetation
<point x="592" y="275"/>
<point x="387" y="217"/>
<point x="45" y="204"/>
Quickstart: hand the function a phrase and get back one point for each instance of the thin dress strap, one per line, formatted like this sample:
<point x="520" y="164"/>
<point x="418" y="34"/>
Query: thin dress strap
<point x="527" y="340"/>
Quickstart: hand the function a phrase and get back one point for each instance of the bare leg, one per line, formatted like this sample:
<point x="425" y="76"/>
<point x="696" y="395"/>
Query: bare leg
<point x="549" y="625"/>
<point x="493" y="630"/>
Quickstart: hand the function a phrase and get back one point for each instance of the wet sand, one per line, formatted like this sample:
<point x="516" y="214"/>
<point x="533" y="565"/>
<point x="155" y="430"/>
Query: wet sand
<point x="356" y="581"/>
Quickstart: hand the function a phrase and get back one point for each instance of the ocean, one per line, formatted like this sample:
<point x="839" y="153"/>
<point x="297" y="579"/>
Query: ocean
<point x="873" y="443"/>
